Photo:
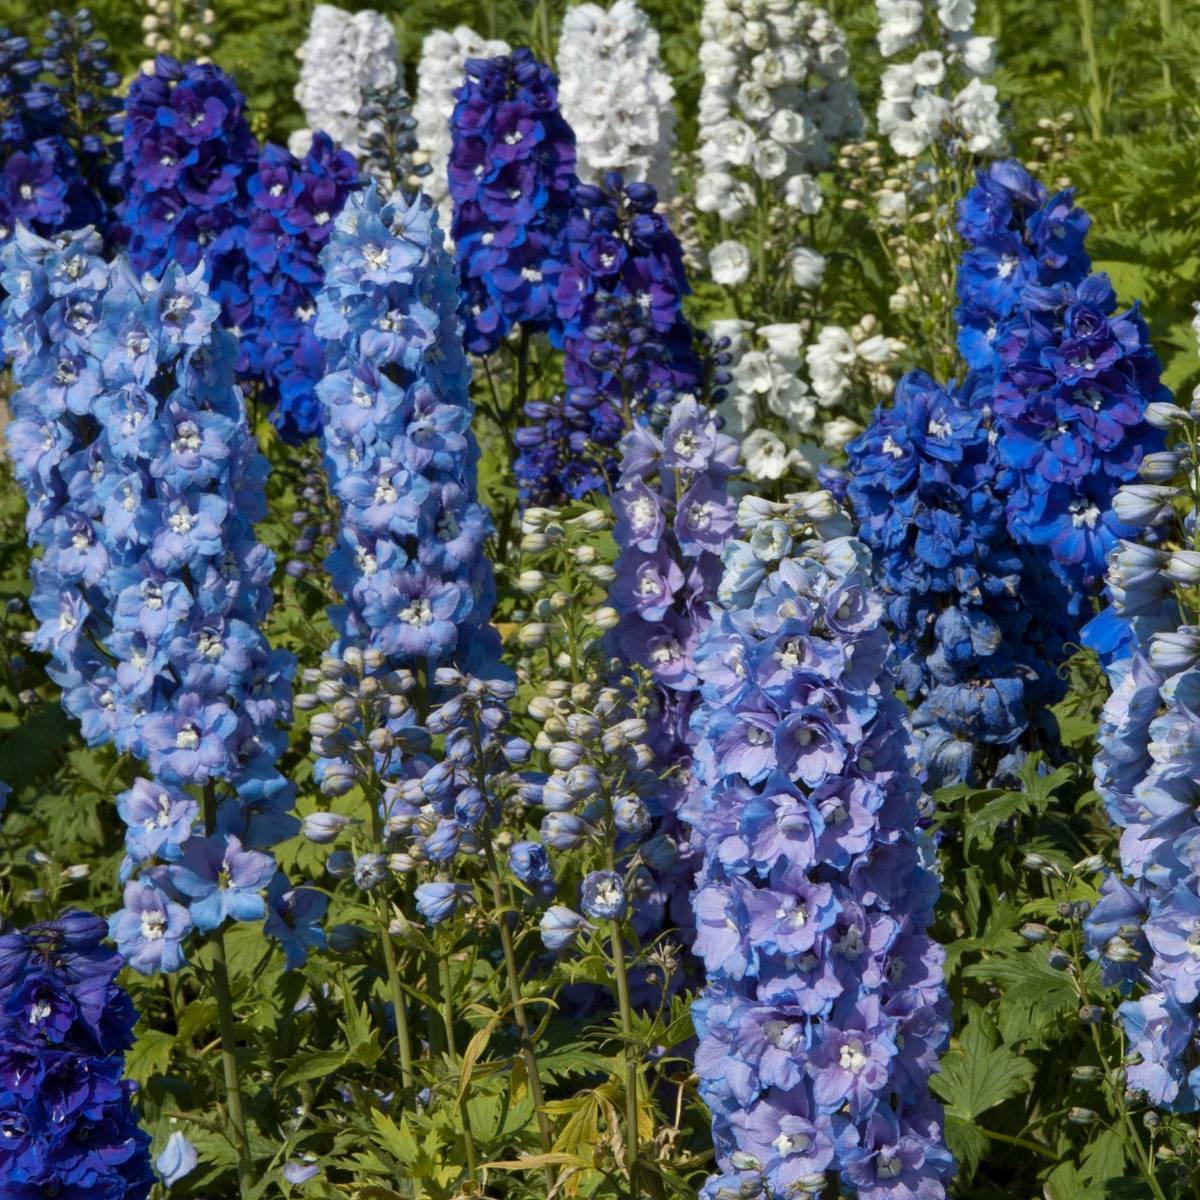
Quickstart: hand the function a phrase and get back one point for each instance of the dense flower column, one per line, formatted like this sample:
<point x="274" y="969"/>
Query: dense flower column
<point x="1146" y="926"/>
<point x="512" y="173"/>
<point x="977" y="665"/>
<point x="343" y="56"/>
<point x="628" y="347"/>
<point x="824" y="1008"/>
<point x="939" y="95"/>
<point x="616" y="95"/>
<point x="776" y="96"/>
<point x="143" y="483"/>
<point x="65" y="1025"/>
<point x="440" y="71"/>
<point x="198" y="190"/>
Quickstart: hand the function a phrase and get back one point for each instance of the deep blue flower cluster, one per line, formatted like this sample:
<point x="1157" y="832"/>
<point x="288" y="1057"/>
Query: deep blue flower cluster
<point x="53" y="146"/>
<point x="197" y="188"/>
<point x="65" y="1024"/>
<point x="628" y="347"/>
<point x="143" y="483"/>
<point x="1069" y="378"/>
<point x="960" y="595"/>
<point x="1146" y="928"/>
<point x="511" y="174"/>
<point x="824" y="1009"/>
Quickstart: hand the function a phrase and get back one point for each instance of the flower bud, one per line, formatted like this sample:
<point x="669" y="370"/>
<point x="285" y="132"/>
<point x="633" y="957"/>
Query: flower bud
<point x="533" y="636"/>
<point x="1080" y="1116"/>
<point x="606" y="617"/>
<point x="593" y="521"/>
<point x="531" y="582"/>
<point x="324" y="828"/>
<point x="1183" y="567"/>
<point x="1143" y="504"/>
<point x="1160" y="467"/>
<point x="1164" y="414"/>
<point x="565" y="755"/>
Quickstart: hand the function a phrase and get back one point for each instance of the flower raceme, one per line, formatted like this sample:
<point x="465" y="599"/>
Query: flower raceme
<point x="198" y="189"/>
<point x="65" y="1025"/>
<point x="143" y="482"/>
<point x="824" y="1008"/>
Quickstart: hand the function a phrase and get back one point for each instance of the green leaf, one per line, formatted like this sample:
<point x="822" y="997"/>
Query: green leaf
<point x="979" y="1073"/>
<point x="1104" y="1158"/>
<point x="311" y="1066"/>
<point x="398" y="1140"/>
<point x="151" y="1055"/>
<point x="967" y="1144"/>
<point x="1066" y="1183"/>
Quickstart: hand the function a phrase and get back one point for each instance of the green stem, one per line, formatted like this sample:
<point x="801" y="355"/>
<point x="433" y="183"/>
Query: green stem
<point x="528" y="1054"/>
<point x="448" y="1020"/>
<point x="227" y="1028"/>
<point x="617" y="941"/>
<point x="1096" y="95"/>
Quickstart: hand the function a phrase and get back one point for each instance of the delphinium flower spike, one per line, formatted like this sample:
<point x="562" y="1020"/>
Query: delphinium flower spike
<point x="65" y="1024"/>
<point x="1146" y="925"/>
<point x="143" y="482"/>
<point x="616" y="95"/>
<point x="824" y="1007"/>
<point x="960" y="595"/>
<point x="199" y="190"/>
<point x="511" y="171"/>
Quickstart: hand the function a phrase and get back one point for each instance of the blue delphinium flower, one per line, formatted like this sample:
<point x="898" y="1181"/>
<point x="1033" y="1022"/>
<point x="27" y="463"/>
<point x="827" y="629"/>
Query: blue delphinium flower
<point x="1064" y="377"/>
<point x="1015" y="235"/>
<point x="628" y="347"/>
<point x="198" y="189"/>
<point x="960" y="595"/>
<point x="144" y="482"/>
<point x="511" y="173"/>
<point x="1145" y="929"/>
<point x="65" y="1025"/>
<point x="824" y="1008"/>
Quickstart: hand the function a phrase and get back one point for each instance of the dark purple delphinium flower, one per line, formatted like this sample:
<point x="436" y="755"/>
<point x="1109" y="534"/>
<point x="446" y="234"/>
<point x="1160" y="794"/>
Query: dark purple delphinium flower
<point x="65" y="1025"/>
<point x="199" y="189"/>
<point x="512" y="168"/>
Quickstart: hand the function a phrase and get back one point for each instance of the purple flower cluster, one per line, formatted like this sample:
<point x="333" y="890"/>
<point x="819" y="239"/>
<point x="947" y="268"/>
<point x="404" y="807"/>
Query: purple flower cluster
<point x="511" y="174"/>
<point x="198" y="189"/>
<point x="1070" y="377"/>
<point x="824" y="1009"/>
<point x="673" y="517"/>
<point x="65" y="1024"/>
<point x="628" y="347"/>
<point x="1145" y="930"/>
<point x="143" y="483"/>
<point x="959" y="594"/>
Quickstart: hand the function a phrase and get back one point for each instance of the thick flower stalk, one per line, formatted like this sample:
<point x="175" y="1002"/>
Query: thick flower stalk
<point x="65" y="1024"/>
<point x="776" y="98"/>
<point x="959" y="594"/>
<point x="824" y="1009"/>
<point x="144" y="482"/>
<point x="511" y="172"/>
<point x="628" y="347"/>
<point x="198" y="190"/>
<point x="939" y="96"/>
<point x="616" y="95"/>
<point x="1146" y="926"/>
<point x="344" y="55"/>
<point x="440" y="71"/>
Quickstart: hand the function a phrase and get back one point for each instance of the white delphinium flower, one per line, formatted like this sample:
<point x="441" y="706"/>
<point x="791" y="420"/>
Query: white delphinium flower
<point x="924" y="101"/>
<point x="440" y="74"/>
<point x="807" y="267"/>
<point x="615" y="94"/>
<point x="766" y="456"/>
<point x="776" y="95"/>
<point x="841" y="357"/>
<point x="729" y="263"/>
<point x="344" y="54"/>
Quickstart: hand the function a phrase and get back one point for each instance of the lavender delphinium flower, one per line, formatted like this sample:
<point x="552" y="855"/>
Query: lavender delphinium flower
<point x="511" y="172"/>
<point x="65" y="1025"/>
<point x="198" y="189"/>
<point x="144" y="482"/>
<point x="1146" y="926"/>
<point x="824" y="1007"/>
